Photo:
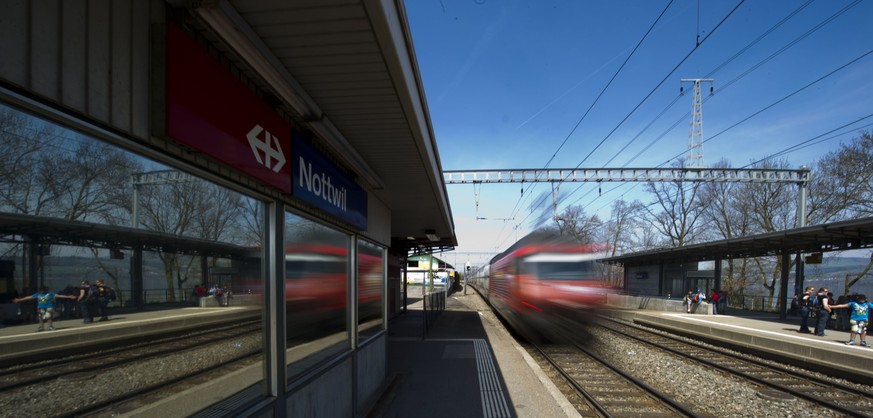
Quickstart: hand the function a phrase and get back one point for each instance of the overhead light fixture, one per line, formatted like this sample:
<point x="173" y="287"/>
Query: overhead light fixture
<point x="411" y="238"/>
<point x="431" y="235"/>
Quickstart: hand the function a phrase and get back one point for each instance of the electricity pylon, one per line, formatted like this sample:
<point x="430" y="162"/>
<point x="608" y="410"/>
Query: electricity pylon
<point x="695" y="137"/>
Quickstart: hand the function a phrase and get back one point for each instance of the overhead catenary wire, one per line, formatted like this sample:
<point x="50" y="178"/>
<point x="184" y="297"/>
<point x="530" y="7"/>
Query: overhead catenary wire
<point x="725" y="86"/>
<point x="518" y="203"/>
<point x="791" y="149"/>
<point x="667" y="76"/>
<point x="734" y="80"/>
<point x="602" y="91"/>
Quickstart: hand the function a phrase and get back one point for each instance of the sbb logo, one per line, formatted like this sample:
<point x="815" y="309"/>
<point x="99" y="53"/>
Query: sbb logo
<point x="273" y="158"/>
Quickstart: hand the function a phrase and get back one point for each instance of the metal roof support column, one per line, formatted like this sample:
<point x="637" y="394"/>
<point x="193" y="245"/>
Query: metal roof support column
<point x="31" y="273"/>
<point x="783" y="285"/>
<point x="801" y="222"/>
<point x="624" y="270"/>
<point x="136" y="286"/>
<point x="204" y="272"/>
<point x="799" y="268"/>
<point x="660" y="277"/>
<point x="717" y="276"/>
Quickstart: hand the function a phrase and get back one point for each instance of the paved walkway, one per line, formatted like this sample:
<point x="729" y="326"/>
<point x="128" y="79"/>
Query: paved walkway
<point x="466" y="366"/>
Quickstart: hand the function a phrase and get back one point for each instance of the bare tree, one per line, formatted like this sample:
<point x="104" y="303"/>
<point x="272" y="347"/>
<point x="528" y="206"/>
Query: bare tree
<point x="679" y="217"/>
<point x="23" y="143"/>
<point x="729" y="217"/>
<point x="189" y="208"/>
<point x="91" y="182"/>
<point x="618" y="232"/>
<point x="843" y="187"/>
<point x="574" y="223"/>
<point x="773" y="208"/>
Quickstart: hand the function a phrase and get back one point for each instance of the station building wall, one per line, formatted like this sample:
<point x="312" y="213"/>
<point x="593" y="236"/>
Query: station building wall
<point x="95" y="67"/>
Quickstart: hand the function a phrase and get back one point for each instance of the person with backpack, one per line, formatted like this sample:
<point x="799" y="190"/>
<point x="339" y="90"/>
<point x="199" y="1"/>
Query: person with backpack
<point x="807" y="302"/>
<point x="822" y="311"/>
<point x="105" y="294"/>
<point x="87" y="299"/>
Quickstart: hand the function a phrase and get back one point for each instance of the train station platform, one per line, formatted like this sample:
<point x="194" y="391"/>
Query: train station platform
<point x="466" y="365"/>
<point x="764" y="335"/>
<point x="22" y="343"/>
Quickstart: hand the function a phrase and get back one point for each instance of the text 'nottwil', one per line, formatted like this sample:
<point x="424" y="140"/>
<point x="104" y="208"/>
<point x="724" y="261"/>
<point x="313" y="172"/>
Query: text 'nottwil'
<point x="320" y="185"/>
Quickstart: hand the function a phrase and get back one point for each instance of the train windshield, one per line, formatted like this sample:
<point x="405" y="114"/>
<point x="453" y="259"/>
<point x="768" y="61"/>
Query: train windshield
<point x="561" y="267"/>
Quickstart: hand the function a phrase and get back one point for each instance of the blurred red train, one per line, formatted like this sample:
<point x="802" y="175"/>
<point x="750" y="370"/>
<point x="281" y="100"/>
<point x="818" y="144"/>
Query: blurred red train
<point x="542" y="280"/>
<point x="317" y="286"/>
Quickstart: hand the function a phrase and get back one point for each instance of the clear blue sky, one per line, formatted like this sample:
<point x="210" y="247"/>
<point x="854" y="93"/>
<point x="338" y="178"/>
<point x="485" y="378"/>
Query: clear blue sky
<point x="507" y="81"/>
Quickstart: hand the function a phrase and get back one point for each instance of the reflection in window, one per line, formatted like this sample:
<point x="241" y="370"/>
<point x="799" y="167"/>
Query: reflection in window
<point x="371" y="283"/>
<point x="316" y="292"/>
<point x="154" y="235"/>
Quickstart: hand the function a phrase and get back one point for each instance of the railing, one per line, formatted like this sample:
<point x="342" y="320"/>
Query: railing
<point x="157" y="296"/>
<point x="759" y="303"/>
<point x="434" y="304"/>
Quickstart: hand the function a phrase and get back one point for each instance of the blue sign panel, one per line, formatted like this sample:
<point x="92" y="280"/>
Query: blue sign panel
<point x="317" y="181"/>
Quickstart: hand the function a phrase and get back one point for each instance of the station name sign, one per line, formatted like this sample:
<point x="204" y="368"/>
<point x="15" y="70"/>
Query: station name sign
<point x="211" y="111"/>
<point x="319" y="182"/>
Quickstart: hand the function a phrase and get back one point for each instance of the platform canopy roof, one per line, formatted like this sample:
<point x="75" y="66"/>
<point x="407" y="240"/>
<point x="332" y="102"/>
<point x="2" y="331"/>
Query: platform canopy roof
<point x="346" y="71"/>
<point x="837" y="236"/>
<point x="50" y="231"/>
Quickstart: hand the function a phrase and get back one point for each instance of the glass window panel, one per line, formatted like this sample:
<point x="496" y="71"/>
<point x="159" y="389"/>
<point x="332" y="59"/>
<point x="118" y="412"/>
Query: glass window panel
<point x="153" y="234"/>
<point x="371" y="285"/>
<point x="316" y="292"/>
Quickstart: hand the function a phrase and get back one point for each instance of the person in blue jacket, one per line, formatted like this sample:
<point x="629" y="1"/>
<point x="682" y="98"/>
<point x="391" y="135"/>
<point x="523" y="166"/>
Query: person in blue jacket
<point x="860" y="309"/>
<point x="45" y="304"/>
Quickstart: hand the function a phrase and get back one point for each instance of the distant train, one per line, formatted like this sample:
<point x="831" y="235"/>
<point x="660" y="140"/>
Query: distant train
<point x="543" y="281"/>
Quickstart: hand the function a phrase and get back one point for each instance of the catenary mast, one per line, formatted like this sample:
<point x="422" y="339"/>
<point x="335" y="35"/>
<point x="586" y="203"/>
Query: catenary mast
<point x="695" y="137"/>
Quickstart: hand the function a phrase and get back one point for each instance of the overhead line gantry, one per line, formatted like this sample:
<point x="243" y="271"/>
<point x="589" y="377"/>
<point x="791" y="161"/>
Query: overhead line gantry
<point x="573" y="175"/>
<point x="595" y="175"/>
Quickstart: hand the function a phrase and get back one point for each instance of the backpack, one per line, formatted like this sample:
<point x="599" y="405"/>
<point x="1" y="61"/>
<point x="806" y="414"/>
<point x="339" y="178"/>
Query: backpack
<point x="695" y="298"/>
<point x="89" y="294"/>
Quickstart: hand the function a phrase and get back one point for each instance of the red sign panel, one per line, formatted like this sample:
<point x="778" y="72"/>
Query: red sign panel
<point x="211" y="111"/>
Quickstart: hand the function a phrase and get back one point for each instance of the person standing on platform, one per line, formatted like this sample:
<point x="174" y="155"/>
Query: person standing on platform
<point x="105" y="294"/>
<point x="860" y="314"/>
<point x="45" y="304"/>
<point x="822" y="311"/>
<point x="198" y="294"/>
<point x="713" y="299"/>
<point x="86" y="299"/>
<point x="807" y="302"/>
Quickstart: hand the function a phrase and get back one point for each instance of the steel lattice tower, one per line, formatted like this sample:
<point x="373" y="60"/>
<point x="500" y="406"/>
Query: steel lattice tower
<point x="695" y="137"/>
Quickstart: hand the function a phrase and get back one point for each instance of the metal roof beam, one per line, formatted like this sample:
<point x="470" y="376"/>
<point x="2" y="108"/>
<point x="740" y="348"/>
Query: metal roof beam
<point x="572" y="175"/>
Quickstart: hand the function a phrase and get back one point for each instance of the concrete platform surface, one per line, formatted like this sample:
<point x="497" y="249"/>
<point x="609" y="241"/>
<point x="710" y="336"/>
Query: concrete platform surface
<point x="467" y="365"/>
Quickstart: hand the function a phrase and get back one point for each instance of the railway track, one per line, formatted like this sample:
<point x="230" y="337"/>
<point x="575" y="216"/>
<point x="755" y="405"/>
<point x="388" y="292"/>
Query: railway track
<point x="778" y="381"/>
<point x="609" y="391"/>
<point x="139" y="370"/>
